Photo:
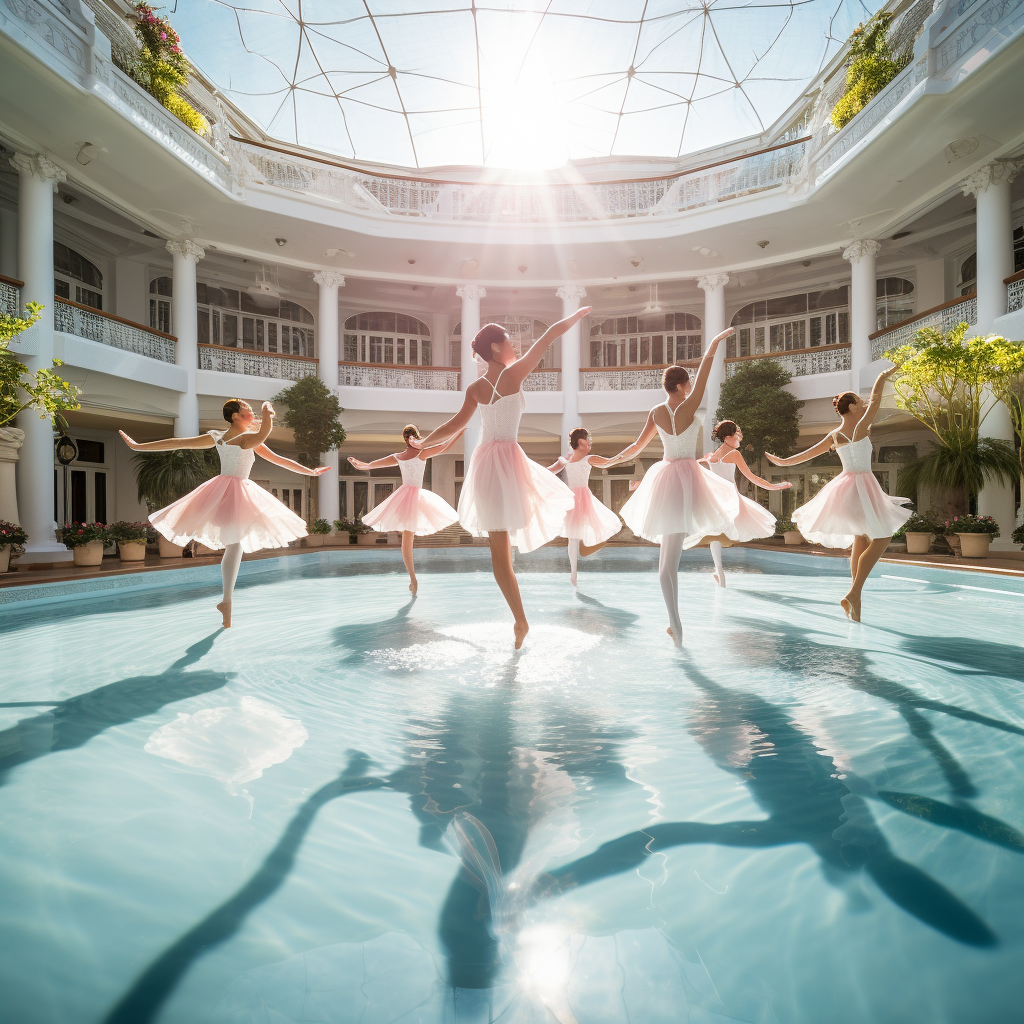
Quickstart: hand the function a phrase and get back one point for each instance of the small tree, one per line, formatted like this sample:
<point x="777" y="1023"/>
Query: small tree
<point x="872" y="66"/>
<point x="311" y="410"/>
<point x="949" y="384"/>
<point x="163" y="477"/>
<point x="1008" y="386"/>
<point x="755" y="396"/>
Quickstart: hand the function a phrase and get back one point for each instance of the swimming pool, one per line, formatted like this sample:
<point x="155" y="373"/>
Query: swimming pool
<point x="353" y="807"/>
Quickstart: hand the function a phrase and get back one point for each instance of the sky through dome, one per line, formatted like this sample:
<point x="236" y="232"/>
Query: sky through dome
<point x="513" y="84"/>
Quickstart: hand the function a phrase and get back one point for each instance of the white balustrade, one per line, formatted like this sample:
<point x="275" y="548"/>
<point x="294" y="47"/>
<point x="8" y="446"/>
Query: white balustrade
<point x="419" y="378"/>
<point x="625" y="379"/>
<point x="945" y="318"/>
<point x="70" y="318"/>
<point x="255" y="364"/>
<point x="1014" y="295"/>
<point x="10" y="298"/>
<point x="542" y="380"/>
<point x="801" y="362"/>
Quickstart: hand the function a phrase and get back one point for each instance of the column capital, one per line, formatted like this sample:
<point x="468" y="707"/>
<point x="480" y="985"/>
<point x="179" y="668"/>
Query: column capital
<point x="471" y="291"/>
<point x="186" y="248"/>
<point x="45" y="170"/>
<point x="571" y="291"/>
<point x="329" y="279"/>
<point x="710" y="282"/>
<point x="861" y="249"/>
<point x="995" y="173"/>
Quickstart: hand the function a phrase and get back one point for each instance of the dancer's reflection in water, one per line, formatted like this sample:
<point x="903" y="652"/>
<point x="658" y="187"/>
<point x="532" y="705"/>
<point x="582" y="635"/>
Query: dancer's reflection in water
<point x="797" y="786"/>
<point x="396" y="633"/>
<point x="73" y="722"/>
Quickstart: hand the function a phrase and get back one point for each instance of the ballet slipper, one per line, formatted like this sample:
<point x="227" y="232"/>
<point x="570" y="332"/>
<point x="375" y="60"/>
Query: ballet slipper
<point x="225" y="610"/>
<point x="521" y="629"/>
<point x="851" y="605"/>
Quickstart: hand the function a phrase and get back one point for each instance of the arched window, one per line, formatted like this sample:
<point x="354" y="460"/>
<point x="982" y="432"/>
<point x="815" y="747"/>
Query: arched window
<point x="160" y="290"/>
<point x="967" y="279"/>
<point x="656" y="339"/>
<point x="523" y="331"/>
<point x="802" y="320"/>
<point x="893" y="301"/>
<point x="75" y="278"/>
<point x="230" y="318"/>
<point x="394" y="339"/>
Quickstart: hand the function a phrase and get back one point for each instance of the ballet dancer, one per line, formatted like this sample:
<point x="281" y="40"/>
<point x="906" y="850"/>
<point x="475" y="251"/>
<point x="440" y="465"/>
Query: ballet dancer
<point x="678" y="502"/>
<point x="410" y="511"/>
<point x="753" y="521"/>
<point x="590" y="523"/>
<point x="229" y="511"/>
<point x="851" y="511"/>
<point x="505" y="496"/>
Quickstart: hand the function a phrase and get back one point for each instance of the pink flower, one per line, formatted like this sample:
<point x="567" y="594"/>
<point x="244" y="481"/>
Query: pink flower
<point x="163" y="35"/>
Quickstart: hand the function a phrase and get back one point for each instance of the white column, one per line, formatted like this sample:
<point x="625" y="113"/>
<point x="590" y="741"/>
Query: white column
<point x="713" y="287"/>
<point x="471" y="294"/>
<point x="863" y="305"/>
<point x="991" y="187"/>
<point x="570" y="294"/>
<point x="439" y="331"/>
<point x="328" y="342"/>
<point x="186" y="255"/>
<point x="9" y="242"/>
<point x="37" y="183"/>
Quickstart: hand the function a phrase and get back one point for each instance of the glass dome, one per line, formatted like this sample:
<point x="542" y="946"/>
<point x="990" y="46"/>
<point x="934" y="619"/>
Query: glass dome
<point x="512" y="84"/>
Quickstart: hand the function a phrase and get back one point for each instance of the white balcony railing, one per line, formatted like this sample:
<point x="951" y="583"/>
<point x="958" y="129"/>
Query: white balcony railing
<point x="801" y="362"/>
<point x="255" y="364"/>
<point x="542" y="380"/>
<point x="623" y="378"/>
<point x="959" y="311"/>
<point x="10" y="295"/>
<point x="420" y="378"/>
<point x="1015" y="292"/>
<point x="85" y="322"/>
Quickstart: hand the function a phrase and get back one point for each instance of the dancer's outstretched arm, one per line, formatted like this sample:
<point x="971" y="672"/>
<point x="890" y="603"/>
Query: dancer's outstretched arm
<point x="169" y="444"/>
<point x="296" y="467"/>
<point x="440" y="449"/>
<point x="630" y="452"/>
<point x="388" y="460"/>
<point x="805" y="456"/>
<point x="451" y="428"/>
<point x="691" y="403"/>
<point x="530" y="359"/>
<point x="874" y="404"/>
<point x="557" y="466"/>
<point x="737" y="460"/>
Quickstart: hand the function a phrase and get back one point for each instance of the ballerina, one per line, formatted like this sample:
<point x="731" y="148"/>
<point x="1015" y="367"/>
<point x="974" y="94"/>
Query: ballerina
<point x="505" y="496"/>
<point x="851" y="511"/>
<point x="678" y="502"/>
<point x="410" y="511"/>
<point x="229" y="511"/>
<point x="590" y="523"/>
<point x="753" y="520"/>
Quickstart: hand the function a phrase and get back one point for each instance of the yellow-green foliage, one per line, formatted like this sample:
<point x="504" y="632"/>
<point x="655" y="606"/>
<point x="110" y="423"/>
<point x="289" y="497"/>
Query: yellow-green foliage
<point x="187" y="114"/>
<point x="872" y="67"/>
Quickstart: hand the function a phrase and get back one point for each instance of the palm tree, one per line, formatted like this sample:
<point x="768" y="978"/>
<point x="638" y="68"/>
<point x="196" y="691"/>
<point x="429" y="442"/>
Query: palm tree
<point x="163" y="477"/>
<point x="962" y="461"/>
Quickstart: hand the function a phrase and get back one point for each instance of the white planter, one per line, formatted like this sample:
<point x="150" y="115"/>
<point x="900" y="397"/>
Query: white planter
<point x="167" y="549"/>
<point x="5" y="557"/>
<point x="918" y="543"/>
<point x="11" y="440"/>
<point x="131" y="550"/>
<point x="89" y="554"/>
<point x="974" y="545"/>
<point x="793" y="537"/>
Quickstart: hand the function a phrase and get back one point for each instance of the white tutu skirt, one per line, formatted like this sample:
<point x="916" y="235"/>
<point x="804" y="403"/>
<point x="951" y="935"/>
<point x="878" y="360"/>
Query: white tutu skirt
<point x="229" y="510"/>
<point x="504" y="490"/>
<point x="752" y="522"/>
<point x="591" y="522"/>
<point x="851" y="505"/>
<point x="411" y="508"/>
<point x="678" y="496"/>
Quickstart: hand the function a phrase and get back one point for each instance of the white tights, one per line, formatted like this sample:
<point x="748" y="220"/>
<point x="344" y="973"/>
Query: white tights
<point x="668" y="575"/>
<point x="574" y="556"/>
<point x="716" y="555"/>
<point x="229" y="569"/>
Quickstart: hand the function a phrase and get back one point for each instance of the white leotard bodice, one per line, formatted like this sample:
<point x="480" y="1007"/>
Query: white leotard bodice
<point x="412" y="471"/>
<point x="856" y="455"/>
<point x="680" y="446"/>
<point x="726" y="470"/>
<point x="577" y="474"/>
<point x="499" y="418"/>
<point x="234" y="461"/>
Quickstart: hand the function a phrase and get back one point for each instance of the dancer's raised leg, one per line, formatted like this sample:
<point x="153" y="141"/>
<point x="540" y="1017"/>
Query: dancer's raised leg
<point x="229" y="573"/>
<point x="668" y="575"/>
<point x="505" y="577"/>
<point x="574" y="557"/>
<point x="873" y="550"/>
<point x="716" y="557"/>
<point x="410" y="568"/>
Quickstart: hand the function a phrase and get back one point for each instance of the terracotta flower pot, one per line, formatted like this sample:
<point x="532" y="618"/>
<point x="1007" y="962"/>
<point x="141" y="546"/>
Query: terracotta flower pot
<point x="368" y="538"/>
<point x="167" y="549"/>
<point x="5" y="557"/>
<point x="793" y="537"/>
<point x="89" y="554"/>
<point x="131" y="550"/>
<point x="203" y="551"/>
<point x="974" y="545"/>
<point x="918" y="543"/>
<point x="315" y="540"/>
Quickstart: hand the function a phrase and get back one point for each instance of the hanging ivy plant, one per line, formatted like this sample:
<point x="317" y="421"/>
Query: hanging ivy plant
<point x="871" y="68"/>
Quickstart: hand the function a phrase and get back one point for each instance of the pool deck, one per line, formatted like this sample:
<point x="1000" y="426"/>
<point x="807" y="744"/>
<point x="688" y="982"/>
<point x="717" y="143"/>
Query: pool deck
<point x="999" y="563"/>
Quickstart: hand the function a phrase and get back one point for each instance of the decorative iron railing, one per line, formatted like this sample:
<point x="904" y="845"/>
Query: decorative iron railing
<point x="945" y="317"/>
<point x="624" y="378"/>
<point x="419" y="378"/>
<point x="255" y="364"/>
<point x="10" y="295"/>
<point x="801" y="362"/>
<point x="1014" y="292"/>
<point x="542" y="380"/>
<point x="85" y="322"/>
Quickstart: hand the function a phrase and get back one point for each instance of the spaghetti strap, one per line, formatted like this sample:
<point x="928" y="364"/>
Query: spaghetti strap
<point x="494" y="386"/>
<point x="672" y="416"/>
<point x="857" y="424"/>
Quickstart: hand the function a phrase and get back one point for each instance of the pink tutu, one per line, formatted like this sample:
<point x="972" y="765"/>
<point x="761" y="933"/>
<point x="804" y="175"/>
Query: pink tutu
<point x="229" y="510"/>
<point x="678" y="496"/>
<point x="752" y="522"/>
<point x="851" y="505"/>
<point x="504" y="490"/>
<point x="414" y="509"/>
<point x="591" y="522"/>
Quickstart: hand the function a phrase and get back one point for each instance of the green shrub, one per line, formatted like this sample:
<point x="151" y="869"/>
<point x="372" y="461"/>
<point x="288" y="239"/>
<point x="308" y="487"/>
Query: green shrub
<point x="12" y="535"/>
<point x="320" y="527"/>
<point x="973" y="524"/>
<point x="785" y="526"/>
<point x="130" y="533"/>
<point x="74" y="535"/>
<point x="872" y="67"/>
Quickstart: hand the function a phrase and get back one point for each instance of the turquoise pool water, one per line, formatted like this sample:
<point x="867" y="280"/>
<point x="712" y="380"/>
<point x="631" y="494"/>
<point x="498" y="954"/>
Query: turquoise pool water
<point x="353" y="807"/>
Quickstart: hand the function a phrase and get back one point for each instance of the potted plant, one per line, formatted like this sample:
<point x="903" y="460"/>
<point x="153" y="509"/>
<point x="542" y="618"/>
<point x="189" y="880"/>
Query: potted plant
<point x="1018" y="536"/>
<point x="975" y="533"/>
<point x="86" y="540"/>
<point x="919" y="530"/>
<point x="788" y="531"/>
<point x="164" y="477"/>
<point x="319" y="530"/>
<point x="353" y="527"/>
<point x="131" y="540"/>
<point x="12" y="536"/>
